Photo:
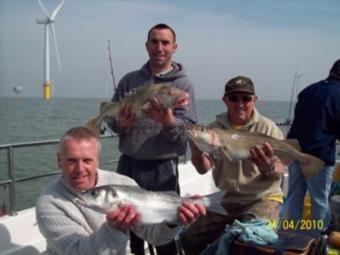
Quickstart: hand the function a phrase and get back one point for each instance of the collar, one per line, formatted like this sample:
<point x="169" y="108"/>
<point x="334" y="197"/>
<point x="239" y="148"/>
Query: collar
<point x="165" y="72"/>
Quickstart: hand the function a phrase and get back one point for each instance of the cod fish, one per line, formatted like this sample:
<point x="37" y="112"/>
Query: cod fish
<point x="235" y="145"/>
<point x="140" y="99"/>
<point x="154" y="207"/>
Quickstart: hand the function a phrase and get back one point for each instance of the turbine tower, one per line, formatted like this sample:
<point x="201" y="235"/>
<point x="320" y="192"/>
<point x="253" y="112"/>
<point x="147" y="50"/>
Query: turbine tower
<point x="49" y="27"/>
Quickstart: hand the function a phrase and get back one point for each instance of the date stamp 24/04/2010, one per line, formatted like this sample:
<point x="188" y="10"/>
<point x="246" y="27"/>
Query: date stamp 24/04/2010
<point x="303" y="224"/>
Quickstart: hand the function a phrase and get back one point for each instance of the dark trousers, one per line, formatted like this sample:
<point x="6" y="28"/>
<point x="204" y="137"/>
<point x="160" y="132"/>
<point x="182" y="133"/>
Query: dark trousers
<point x="154" y="175"/>
<point x="206" y="229"/>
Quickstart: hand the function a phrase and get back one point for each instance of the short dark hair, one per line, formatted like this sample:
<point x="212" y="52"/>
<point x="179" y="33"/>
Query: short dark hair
<point x="162" y="26"/>
<point x="79" y="133"/>
<point x="335" y="70"/>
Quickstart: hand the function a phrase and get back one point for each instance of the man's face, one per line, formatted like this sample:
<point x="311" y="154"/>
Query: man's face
<point x="79" y="161"/>
<point x="240" y="107"/>
<point x="160" y="46"/>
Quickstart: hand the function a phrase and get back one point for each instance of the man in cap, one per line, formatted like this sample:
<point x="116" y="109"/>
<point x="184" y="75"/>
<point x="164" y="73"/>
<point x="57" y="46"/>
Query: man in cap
<point x="316" y="125"/>
<point x="252" y="186"/>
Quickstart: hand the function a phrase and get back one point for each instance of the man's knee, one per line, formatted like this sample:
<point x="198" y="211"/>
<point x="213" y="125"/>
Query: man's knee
<point x="190" y="245"/>
<point x="202" y="232"/>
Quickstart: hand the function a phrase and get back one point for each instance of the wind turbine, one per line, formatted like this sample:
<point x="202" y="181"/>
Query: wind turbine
<point x="17" y="90"/>
<point x="49" y="27"/>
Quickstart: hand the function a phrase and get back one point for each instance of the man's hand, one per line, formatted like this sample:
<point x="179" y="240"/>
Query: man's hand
<point x="125" y="118"/>
<point x="188" y="212"/>
<point x="123" y="218"/>
<point x="265" y="159"/>
<point x="262" y="155"/>
<point x="194" y="149"/>
<point x="160" y="114"/>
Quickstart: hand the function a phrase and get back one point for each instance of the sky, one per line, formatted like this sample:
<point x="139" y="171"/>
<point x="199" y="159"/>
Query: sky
<point x="269" y="41"/>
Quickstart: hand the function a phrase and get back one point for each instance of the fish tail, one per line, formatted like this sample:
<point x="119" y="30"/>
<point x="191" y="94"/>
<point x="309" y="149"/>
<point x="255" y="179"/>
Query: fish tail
<point x="93" y="124"/>
<point x="310" y="165"/>
<point x="213" y="202"/>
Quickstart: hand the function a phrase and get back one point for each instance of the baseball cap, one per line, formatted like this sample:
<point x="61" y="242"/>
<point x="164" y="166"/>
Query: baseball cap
<point x="239" y="84"/>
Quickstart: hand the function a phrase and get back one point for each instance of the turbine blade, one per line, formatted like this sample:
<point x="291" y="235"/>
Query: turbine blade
<point x="44" y="9"/>
<point x="56" y="47"/>
<point x="41" y="21"/>
<point x="54" y="13"/>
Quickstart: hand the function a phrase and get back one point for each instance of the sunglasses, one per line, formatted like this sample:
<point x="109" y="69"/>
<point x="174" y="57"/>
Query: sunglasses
<point x="244" y="99"/>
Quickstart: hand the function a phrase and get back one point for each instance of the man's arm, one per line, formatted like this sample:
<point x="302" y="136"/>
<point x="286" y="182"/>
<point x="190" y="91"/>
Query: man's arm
<point x="68" y="233"/>
<point x="125" y="119"/>
<point x="199" y="159"/>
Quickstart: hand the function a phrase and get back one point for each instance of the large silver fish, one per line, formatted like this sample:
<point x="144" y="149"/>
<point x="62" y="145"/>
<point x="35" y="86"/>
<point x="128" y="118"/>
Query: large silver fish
<point x="235" y="145"/>
<point x="141" y="99"/>
<point x="154" y="207"/>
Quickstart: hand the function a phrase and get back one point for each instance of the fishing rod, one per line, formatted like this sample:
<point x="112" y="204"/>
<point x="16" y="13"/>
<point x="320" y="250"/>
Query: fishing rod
<point x="111" y="66"/>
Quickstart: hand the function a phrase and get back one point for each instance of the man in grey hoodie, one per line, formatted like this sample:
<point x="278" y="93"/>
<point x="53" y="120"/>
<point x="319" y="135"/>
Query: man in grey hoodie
<point x="150" y="147"/>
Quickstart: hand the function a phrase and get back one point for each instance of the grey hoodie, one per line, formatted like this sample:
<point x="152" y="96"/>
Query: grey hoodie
<point x="148" y="139"/>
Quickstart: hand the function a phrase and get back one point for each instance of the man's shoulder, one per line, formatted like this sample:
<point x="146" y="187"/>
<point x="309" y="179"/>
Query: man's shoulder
<point x="112" y="178"/>
<point x="265" y="120"/>
<point x="324" y="89"/>
<point x="221" y="121"/>
<point x="131" y="75"/>
<point x="50" y="193"/>
<point x="324" y="84"/>
<point x="267" y="126"/>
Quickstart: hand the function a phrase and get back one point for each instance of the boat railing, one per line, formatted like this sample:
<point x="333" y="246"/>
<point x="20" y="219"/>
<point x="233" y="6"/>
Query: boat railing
<point x="12" y="180"/>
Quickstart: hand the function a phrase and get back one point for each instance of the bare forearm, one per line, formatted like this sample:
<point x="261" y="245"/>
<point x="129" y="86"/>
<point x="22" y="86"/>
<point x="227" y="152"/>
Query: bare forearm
<point x="201" y="162"/>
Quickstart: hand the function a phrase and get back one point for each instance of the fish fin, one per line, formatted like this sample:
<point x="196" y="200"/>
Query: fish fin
<point x="94" y="126"/>
<point x="213" y="202"/>
<point x="286" y="160"/>
<point x="103" y="105"/>
<point x="109" y="110"/>
<point x="310" y="165"/>
<point x="294" y="143"/>
<point x="147" y="106"/>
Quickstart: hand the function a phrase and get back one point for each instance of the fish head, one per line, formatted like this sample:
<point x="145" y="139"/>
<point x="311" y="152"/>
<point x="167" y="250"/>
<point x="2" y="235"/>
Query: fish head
<point x="205" y="138"/>
<point x="166" y="96"/>
<point x="102" y="199"/>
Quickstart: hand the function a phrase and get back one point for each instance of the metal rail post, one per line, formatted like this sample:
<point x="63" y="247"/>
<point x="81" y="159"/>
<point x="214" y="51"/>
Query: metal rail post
<point x="11" y="190"/>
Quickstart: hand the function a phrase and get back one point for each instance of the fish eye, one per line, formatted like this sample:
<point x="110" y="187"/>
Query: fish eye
<point x="93" y="192"/>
